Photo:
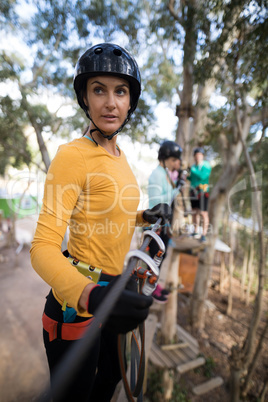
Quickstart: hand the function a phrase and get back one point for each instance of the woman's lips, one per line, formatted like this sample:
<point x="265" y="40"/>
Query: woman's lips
<point x="109" y="116"/>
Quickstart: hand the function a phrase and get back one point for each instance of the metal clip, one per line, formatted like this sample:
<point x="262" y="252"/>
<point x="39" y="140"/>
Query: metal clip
<point x="151" y="275"/>
<point x="155" y="236"/>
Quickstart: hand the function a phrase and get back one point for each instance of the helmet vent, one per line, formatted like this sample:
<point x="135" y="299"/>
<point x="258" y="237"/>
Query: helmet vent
<point x="99" y="50"/>
<point x="117" y="52"/>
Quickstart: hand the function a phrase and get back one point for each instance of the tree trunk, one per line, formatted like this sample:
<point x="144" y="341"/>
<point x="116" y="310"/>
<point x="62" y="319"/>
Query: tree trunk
<point x="185" y="110"/>
<point x="231" y="272"/>
<point x="253" y="364"/>
<point x="242" y="357"/>
<point x="43" y="148"/>
<point x="37" y="128"/>
<point x="243" y="276"/>
<point x="233" y="244"/>
<point x="222" y="273"/>
<point x="264" y="390"/>
<point x="250" y="270"/>
<point x="236" y="369"/>
<point x="217" y="204"/>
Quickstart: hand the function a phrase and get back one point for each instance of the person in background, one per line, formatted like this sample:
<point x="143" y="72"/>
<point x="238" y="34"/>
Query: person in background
<point x="162" y="189"/>
<point x="199" y="192"/>
<point x="91" y="187"/>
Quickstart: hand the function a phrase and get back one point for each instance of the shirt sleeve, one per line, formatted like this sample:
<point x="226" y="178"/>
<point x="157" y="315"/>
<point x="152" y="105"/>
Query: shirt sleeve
<point x="62" y="188"/>
<point x="159" y="189"/>
<point x="207" y="171"/>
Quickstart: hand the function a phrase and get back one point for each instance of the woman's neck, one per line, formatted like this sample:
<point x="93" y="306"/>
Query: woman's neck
<point x="109" y="145"/>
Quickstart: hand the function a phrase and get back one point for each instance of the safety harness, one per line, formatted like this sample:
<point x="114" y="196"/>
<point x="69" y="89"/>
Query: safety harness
<point x="148" y="278"/>
<point x="63" y="330"/>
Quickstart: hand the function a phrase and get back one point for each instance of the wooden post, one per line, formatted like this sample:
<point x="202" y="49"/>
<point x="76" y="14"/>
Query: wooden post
<point x="222" y="273"/>
<point x="169" y="316"/>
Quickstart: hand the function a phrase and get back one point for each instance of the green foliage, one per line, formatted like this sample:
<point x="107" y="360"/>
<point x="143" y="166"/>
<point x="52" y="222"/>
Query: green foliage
<point x="242" y="201"/>
<point x="14" y="149"/>
<point x="179" y="394"/>
<point x="154" y="385"/>
<point x="56" y="34"/>
<point x="155" y="391"/>
<point x="208" y="368"/>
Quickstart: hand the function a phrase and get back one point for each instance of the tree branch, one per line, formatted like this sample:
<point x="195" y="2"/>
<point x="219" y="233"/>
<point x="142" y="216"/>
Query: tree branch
<point x="248" y="342"/>
<point x="40" y="68"/>
<point x="173" y="12"/>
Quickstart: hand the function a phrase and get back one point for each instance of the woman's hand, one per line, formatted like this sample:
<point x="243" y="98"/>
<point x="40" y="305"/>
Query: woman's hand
<point x="162" y="211"/>
<point x="83" y="301"/>
<point x="129" y="311"/>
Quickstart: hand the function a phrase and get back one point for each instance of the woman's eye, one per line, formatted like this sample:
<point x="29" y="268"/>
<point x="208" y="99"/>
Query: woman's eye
<point x="98" y="90"/>
<point x="121" y="91"/>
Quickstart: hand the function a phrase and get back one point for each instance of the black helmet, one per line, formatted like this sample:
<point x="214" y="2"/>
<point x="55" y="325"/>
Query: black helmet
<point x="103" y="59"/>
<point x="169" y="149"/>
<point x="199" y="150"/>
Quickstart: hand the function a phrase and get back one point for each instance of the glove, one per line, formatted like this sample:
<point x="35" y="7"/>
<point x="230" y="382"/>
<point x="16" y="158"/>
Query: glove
<point x="163" y="211"/>
<point x="180" y="183"/>
<point x="129" y="311"/>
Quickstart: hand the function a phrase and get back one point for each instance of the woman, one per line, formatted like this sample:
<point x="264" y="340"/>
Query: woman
<point x="91" y="188"/>
<point x="199" y="193"/>
<point x="162" y="189"/>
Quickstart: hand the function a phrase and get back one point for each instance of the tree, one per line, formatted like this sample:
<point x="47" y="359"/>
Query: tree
<point x="55" y="34"/>
<point x="247" y="96"/>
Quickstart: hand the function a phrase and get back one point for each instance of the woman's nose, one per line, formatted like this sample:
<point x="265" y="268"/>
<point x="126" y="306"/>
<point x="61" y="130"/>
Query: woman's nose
<point x="110" y="101"/>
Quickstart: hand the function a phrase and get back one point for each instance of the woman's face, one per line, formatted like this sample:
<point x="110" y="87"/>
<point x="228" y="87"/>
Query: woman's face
<point x="108" y="101"/>
<point x="172" y="163"/>
<point x="198" y="157"/>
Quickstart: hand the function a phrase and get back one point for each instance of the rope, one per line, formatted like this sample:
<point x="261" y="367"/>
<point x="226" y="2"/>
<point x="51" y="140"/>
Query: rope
<point x="70" y="364"/>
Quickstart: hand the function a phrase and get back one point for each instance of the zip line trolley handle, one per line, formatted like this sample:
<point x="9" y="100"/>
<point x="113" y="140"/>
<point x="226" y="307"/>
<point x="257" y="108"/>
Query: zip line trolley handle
<point x="150" y="276"/>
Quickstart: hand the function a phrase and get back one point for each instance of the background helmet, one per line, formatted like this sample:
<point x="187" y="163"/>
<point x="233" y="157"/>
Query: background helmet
<point x="103" y="59"/>
<point x="199" y="150"/>
<point x="169" y="149"/>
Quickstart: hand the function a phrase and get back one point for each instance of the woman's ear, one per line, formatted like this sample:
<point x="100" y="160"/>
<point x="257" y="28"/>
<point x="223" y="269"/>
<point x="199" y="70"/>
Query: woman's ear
<point x="85" y="101"/>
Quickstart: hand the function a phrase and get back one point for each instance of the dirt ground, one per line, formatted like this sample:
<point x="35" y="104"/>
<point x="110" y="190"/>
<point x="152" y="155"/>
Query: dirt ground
<point x="220" y="334"/>
<point x="23" y="366"/>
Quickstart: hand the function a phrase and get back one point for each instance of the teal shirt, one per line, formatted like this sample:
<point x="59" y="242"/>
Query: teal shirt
<point x="159" y="188"/>
<point x="200" y="174"/>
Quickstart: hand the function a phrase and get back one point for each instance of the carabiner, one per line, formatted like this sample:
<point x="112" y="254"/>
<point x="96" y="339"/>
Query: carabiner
<point x="151" y="275"/>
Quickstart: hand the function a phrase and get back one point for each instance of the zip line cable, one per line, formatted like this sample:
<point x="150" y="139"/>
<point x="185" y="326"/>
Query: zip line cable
<point x="78" y="352"/>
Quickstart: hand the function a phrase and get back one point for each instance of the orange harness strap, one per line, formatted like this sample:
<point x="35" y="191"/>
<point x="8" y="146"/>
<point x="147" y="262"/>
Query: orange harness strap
<point x="65" y="331"/>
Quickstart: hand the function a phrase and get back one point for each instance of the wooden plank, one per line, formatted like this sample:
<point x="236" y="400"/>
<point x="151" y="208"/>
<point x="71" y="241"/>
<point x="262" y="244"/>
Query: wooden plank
<point x="186" y="244"/>
<point x="184" y="355"/>
<point x="187" y="271"/>
<point x="175" y="346"/>
<point x="187" y="337"/>
<point x="158" y="358"/>
<point x="183" y="368"/>
<point x="208" y="386"/>
<point x="178" y="357"/>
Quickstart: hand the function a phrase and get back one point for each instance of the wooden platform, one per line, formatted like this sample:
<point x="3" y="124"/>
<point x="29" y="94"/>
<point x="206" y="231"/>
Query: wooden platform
<point x="171" y="358"/>
<point x="187" y="243"/>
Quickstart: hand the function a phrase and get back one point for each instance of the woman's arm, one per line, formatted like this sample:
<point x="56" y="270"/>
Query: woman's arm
<point x="62" y="188"/>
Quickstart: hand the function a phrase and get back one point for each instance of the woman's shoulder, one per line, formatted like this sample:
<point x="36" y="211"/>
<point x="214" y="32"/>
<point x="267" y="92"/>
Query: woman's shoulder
<point x="157" y="173"/>
<point x="80" y="146"/>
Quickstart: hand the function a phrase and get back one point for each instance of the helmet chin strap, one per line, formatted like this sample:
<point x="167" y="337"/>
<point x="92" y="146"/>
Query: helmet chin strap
<point x="108" y="137"/>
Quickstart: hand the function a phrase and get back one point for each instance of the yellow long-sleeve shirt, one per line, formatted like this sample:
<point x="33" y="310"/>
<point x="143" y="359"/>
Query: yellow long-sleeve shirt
<point x="97" y="195"/>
